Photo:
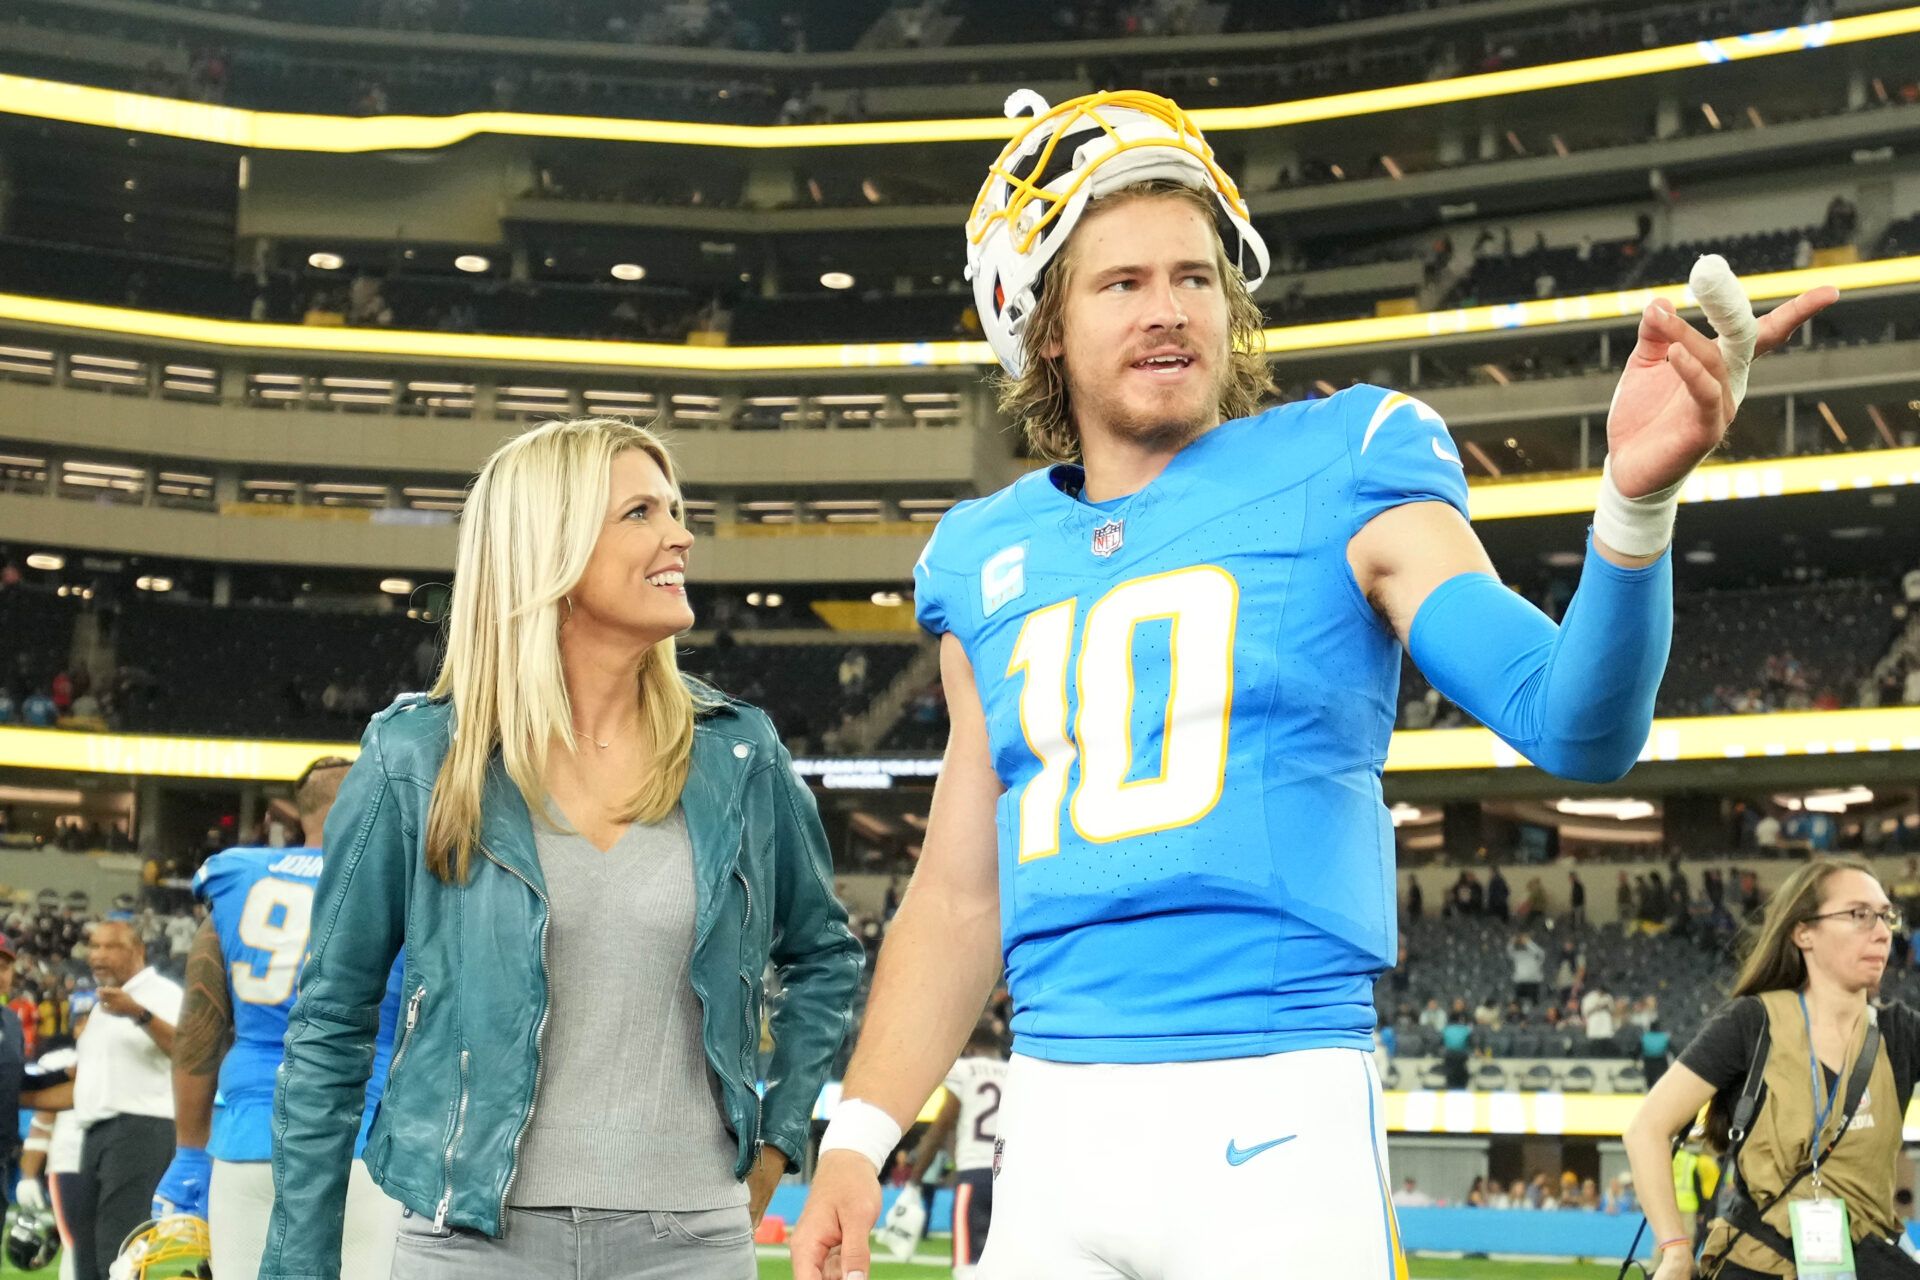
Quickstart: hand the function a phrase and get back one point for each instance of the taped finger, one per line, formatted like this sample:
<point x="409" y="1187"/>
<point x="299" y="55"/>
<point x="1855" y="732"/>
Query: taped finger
<point x="1725" y="303"/>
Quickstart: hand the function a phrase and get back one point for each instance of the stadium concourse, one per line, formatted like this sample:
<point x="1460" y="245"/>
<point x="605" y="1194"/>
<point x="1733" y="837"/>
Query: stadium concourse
<point x="276" y="278"/>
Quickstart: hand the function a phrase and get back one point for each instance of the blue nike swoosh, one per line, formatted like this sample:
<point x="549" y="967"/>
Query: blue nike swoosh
<point x="1235" y="1156"/>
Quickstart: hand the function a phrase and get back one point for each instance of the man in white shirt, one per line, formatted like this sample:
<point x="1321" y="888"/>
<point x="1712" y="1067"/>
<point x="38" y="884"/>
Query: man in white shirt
<point x="1597" y="1008"/>
<point x="123" y="1097"/>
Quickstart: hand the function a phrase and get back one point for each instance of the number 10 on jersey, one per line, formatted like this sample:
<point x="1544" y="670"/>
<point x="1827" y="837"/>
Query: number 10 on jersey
<point x="1202" y="605"/>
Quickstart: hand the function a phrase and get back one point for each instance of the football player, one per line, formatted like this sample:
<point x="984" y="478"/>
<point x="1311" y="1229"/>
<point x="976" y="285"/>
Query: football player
<point x="241" y="978"/>
<point x="1171" y="661"/>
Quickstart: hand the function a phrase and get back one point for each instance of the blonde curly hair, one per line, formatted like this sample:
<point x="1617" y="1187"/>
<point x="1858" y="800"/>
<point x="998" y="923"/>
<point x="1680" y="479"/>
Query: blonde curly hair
<point x="1037" y="400"/>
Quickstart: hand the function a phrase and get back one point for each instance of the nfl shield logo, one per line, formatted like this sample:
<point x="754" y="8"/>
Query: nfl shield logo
<point x="1107" y="538"/>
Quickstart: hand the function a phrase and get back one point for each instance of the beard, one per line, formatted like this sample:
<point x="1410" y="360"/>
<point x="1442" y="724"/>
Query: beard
<point x="1157" y="423"/>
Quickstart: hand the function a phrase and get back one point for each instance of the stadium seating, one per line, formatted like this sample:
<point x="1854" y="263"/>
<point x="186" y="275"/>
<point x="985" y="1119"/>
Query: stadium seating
<point x="1465" y="958"/>
<point x="1900" y="238"/>
<point x="1764" y="648"/>
<point x="1565" y="271"/>
<point x="310" y="76"/>
<point x="36" y="638"/>
<point x="797" y="684"/>
<point x="1735" y="651"/>
<point x="180" y="663"/>
<point x="40" y="259"/>
<point x="1730" y="648"/>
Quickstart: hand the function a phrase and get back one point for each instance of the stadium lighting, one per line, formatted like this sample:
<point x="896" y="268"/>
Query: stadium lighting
<point x="1869" y="730"/>
<point x="46" y="560"/>
<point x="837" y="280"/>
<point x="149" y="583"/>
<point x="1621" y="810"/>
<point x="471" y="262"/>
<point x="326" y="261"/>
<point x="887" y="599"/>
<point x="627" y="271"/>
<point x="124" y="323"/>
<point x="290" y="131"/>
<point x="774" y="600"/>
<point x="1826" y="801"/>
<point x="397" y="586"/>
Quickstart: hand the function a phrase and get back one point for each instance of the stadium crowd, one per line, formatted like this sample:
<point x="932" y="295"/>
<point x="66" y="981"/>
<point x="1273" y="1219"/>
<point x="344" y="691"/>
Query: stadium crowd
<point x="1791" y="645"/>
<point x="1495" y="265"/>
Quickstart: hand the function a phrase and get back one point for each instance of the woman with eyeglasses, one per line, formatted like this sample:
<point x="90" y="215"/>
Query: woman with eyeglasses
<point x="1796" y="1061"/>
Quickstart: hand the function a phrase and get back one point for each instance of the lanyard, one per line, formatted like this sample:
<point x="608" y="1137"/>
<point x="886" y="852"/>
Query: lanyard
<point x="1820" y="1113"/>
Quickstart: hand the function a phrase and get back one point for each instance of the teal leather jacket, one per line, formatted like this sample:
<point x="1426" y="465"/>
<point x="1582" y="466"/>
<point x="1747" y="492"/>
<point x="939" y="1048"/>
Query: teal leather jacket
<point x="466" y="1070"/>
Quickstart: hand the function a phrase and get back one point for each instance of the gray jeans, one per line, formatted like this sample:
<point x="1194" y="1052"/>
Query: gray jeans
<point x="583" y="1244"/>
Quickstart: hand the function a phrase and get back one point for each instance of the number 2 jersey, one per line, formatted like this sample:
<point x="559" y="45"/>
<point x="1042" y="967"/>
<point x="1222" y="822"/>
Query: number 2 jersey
<point x="261" y="902"/>
<point x="977" y="1083"/>
<point x="1189" y="703"/>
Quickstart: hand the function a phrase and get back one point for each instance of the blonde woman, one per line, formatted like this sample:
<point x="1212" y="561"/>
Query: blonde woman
<point x="590" y="860"/>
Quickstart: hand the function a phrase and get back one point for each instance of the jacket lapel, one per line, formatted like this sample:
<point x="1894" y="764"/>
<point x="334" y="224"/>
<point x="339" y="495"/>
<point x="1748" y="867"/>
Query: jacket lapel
<point x="506" y="827"/>
<point x="712" y="804"/>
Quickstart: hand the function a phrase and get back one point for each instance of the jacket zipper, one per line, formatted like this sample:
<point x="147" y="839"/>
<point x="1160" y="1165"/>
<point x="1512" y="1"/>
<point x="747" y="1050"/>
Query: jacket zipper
<point x="539" y="1037"/>
<point x="459" y="1128"/>
<point x="747" y="1014"/>
<point x="413" y="1016"/>
<point x="753" y="1024"/>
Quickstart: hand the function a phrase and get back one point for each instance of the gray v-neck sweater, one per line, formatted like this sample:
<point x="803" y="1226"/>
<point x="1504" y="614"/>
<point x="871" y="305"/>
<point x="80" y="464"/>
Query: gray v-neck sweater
<point x="629" y="1114"/>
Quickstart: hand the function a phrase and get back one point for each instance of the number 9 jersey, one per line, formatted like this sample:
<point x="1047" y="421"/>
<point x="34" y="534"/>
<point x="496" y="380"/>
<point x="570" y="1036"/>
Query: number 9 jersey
<point x="1189" y="703"/>
<point x="261" y="904"/>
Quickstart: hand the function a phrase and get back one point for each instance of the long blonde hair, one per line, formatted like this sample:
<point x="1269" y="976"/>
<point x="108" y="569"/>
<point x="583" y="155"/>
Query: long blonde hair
<point x="526" y="533"/>
<point x="1037" y="400"/>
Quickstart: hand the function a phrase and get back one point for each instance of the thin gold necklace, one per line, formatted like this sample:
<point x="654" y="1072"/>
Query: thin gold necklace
<point x="581" y="733"/>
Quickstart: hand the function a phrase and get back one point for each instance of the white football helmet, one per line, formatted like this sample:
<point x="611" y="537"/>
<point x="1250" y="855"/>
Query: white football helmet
<point x="1064" y="157"/>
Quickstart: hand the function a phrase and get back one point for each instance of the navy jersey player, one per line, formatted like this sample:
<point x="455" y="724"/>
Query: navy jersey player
<point x="968" y="1122"/>
<point x="242" y="975"/>
<point x="1171" y="663"/>
<point x="975" y="1087"/>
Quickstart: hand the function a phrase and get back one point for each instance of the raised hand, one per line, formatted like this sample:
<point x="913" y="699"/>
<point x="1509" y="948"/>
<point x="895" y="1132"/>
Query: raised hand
<point x="1681" y="388"/>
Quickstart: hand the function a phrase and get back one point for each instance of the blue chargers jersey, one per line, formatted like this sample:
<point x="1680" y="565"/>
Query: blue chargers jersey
<point x="1189" y="702"/>
<point x="261" y="902"/>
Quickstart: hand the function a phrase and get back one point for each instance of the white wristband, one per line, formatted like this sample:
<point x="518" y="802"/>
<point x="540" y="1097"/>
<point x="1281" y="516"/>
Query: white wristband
<point x="863" y="1127"/>
<point x="1634" y="526"/>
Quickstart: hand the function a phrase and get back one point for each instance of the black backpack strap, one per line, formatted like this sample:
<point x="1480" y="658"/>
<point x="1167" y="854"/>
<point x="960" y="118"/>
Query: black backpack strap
<point x="1748" y="1104"/>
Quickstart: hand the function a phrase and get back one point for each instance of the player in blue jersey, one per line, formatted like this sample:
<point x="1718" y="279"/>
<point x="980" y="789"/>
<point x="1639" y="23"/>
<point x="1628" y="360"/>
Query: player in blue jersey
<point x="241" y="978"/>
<point x="1171" y="662"/>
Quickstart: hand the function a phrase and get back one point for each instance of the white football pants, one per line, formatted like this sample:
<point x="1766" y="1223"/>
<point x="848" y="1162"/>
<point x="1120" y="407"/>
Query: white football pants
<point x="1270" y="1168"/>
<point x="240" y="1200"/>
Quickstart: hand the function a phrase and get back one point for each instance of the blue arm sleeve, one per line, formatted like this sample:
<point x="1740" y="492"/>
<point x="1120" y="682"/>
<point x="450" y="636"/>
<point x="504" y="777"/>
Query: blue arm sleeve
<point x="1576" y="699"/>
